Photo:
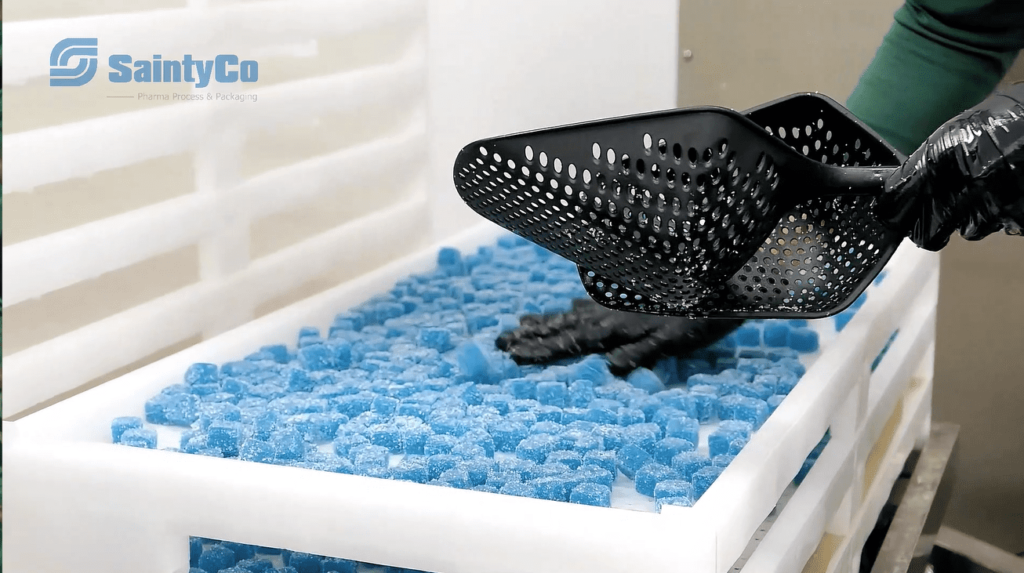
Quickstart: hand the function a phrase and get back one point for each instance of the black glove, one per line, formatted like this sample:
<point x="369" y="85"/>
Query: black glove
<point x="630" y="340"/>
<point x="968" y="177"/>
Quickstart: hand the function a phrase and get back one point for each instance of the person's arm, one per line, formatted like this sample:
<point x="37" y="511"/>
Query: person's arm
<point x="939" y="58"/>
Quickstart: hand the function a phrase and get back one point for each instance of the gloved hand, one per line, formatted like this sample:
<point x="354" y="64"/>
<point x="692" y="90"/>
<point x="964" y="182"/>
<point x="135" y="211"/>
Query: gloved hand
<point x="630" y="340"/>
<point x="968" y="177"/>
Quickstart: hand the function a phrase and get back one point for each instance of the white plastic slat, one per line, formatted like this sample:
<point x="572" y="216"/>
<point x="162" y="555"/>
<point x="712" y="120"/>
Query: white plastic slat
<point x="84" y="148"/>
<point x="90" y="352"/>
<point x="232" y="29"/>
<point x="796" y="533"/>
<point x="799" y="422"/>
<point x="51" y="262"/>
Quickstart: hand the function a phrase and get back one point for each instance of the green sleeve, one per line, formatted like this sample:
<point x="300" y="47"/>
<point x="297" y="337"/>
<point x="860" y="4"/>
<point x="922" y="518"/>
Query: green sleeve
<point x="939" y="58"/>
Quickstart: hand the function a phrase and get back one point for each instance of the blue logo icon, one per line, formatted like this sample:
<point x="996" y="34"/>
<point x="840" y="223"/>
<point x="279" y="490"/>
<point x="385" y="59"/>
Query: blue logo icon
<point x="82" y="48"/>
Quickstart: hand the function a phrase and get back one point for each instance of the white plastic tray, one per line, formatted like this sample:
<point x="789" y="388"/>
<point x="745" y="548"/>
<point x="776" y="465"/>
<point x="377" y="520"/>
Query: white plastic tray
<point x="86" y="505"/>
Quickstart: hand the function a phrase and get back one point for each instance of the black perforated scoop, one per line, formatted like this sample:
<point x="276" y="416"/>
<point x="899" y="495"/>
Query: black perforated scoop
<point x="698" y="212"/>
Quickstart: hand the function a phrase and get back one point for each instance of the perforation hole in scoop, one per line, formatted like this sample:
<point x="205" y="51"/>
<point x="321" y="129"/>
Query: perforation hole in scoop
<point x="822" y="253"/>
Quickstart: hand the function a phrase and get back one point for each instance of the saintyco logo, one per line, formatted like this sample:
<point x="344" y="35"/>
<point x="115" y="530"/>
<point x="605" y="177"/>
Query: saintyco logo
<point x="224" y="68"/>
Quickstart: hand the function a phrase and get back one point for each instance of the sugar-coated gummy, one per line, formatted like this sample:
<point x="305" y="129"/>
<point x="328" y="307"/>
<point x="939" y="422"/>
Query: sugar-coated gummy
<point x="552" y="488"/>
<point x="645" y="380"/>
<point x="455" y="477"/>
<point x="703" y="478"/>
<point x="602" y="459"/>
<point x="569" y="458"/>
<point x="304" y="562"/>
<point x="591" y="494"/>
<point x="631" y="458"/>
<point x="119" y="425"/>
<point x="688" y="463"/>
<point x="685" y="428"/>
<point x="195" y="549"/>
<point x="139" y="438"/>
<point x="668" y="448"/>
<point x="650" y="475"/>
<point x="216" y="558"/>
<point x="518" y="489"/>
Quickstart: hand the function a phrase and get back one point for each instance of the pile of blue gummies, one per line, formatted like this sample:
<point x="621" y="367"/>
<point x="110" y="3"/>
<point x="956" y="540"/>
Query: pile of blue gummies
<point x="212" y="556"/>
<point x="410" y="386"/>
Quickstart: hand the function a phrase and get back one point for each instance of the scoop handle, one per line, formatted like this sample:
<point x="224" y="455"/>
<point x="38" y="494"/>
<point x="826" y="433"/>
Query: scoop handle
<point x="852" y="180"/>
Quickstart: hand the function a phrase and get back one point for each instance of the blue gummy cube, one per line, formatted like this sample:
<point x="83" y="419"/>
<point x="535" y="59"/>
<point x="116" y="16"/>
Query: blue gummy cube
<point x="297" y="379"/>
<point x="411" y="468"/>
<point x="643" y="435"/>
<point x="336" y="565"/>
<point x="844" y="318"/>
<point x="255" y="450"/>
<point x="345" y="442"/>
<point x="668" y="448"/>
<point x="748" y="335"/>
<point x="119" y="425"/>
<point x="645" y="380"/>
<point x="631" y="458"/>
<point x="602" y="459"/>
<point x="751" y="410"/>
<point x="570" y="415"/>
<point x="384" y="406"/>
<point x="662" y="416"/>
<point x="776" y="334"/>
<point x="630" y="416"/>
<point x="439" y="339"/>
<point x="650" y="475"/>
<point x="687" y="463"/>
<point x="685" y="428"/>
<point x="387" y="436"/>
<point x="552" y="394"/>
<point x="201" y="373"/>
<point x="706" y="404"/>
<point x="593" y="368"/>
<point x="803" y="340"/>
<point x="536" y="447"/>
<point x="602" y="415"/>
<point x="473" y="363"/>
<point x="552" y="488"/>
<point x="581" y="392"/>
<point x="216" y="558"/>
<point x="478" y="469"/>
<point x="521" y="388"/>
<point x="242" y="551"/>
<point x="173" y="409"/>
<point x="611" y="437"/>
<point x="304" y="562"/>
<point x="500" y="402"/>
<point x="455" y="477"/>
<point x="479" y="438"/>
<point x="774" y="401"/>
<point x="518" y="489"/>
<point x="566" y="457"/>
<point x="278" y="352"/>
<point x="591" y="494"/>
<point x="195" y="549"/>
<point x="139" y="438"/>
<point x="703" y="478"/>
<point x="288" y="444"/>
<point x="595" y="474"/>
<point x="440" y="463"/>
<point x="507" y="435"/>
<point x="727" y="432"/>
<point x="225" y="436"/>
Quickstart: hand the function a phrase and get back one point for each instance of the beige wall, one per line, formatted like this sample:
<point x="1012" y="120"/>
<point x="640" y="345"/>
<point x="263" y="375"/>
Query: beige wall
<point x="746" y="53"/>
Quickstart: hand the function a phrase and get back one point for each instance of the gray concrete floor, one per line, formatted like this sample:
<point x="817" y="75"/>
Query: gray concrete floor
<point x="979" y="384"/>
